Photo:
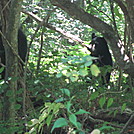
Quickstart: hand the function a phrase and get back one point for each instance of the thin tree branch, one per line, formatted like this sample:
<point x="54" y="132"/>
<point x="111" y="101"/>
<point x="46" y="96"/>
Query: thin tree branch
<point x="127" y="124"/>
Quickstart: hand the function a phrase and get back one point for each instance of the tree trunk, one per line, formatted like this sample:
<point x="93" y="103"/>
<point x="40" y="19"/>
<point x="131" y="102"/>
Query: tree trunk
<point x="10" y="23"/>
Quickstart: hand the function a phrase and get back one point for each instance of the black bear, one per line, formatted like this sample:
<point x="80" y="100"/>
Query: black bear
<point x="99" y="49"/>
<point x="22" y="49"/>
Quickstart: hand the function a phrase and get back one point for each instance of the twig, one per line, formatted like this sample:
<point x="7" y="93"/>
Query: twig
<point x="128" y="123"/>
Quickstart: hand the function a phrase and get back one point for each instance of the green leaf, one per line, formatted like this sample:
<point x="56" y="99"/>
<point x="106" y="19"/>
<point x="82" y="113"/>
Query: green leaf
<point x="1" y="69"/>
<point x="123" y="107"/>
<point x="57" y="107"/>
<point x="83" y="72"/>
<point x="68" y="74"/>
<point x="81" y="111"/>
<point x="65" y="91"/>
<point x="73" y="119"/>
<point x="115" y="112"/>
<point x="17" y="106"/>
<point x="79" y="126"/>
<point x="95" y="131"/>
<point x="40" y="126"/>
<point x="102" y="101"/>
<point x="49" y="119"/>
<point x="68" y="106"/>
<point x="61" y="99"/>
<point x="117" y="13"/>
<point x="60" y="122"/>
<point x="58" y="75"/>
<point x="73" y="79"/>
<point x="88" y="63"/>
<point x="51" y="107"/>
<point x="94" y="70"/>
<point x="110" y="102"/>
<point x="81" y="132"/>
<point x="106" y="128"/>
<point x="9" y="93"/>
<point x="43" y="116"/>
<point x="94" y="95"/>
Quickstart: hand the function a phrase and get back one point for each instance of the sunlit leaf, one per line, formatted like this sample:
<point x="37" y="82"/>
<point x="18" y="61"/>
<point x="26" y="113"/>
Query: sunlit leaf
<point x="95" y="131"/>
<point x="73" y="79"/>
<point x="88" y="63"/>
<point x="94" y="70"/>
<point x="58" y="75"/>
<point x="83" y="72"/>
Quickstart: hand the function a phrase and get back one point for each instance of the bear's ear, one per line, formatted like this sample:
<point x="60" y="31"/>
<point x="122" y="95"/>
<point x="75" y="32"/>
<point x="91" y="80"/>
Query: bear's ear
<point x="93" y="35"/>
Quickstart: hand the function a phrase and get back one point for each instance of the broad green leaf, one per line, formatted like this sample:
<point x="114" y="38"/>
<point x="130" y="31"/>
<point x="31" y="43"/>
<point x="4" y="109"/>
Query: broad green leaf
<point x="110" y="102"/>
<point x="88" y="63"/>
<point x="94" y="70"/>
<point x="83" y="72"/>
<point x="58" y="75"/>
<point x="60" y="122"/>
<point x="81" y="132"/>
<point x="73" y="79"/>
<point x="102" y="101"/>
<point x="73" y="119"/>
<point x="74" y="73"/>
<point x="65" y="91"/>
<point x="79" y="126"/>
<point x="81" y="111"/>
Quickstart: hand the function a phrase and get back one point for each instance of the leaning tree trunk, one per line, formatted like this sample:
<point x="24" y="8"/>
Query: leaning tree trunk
<point x="107" y="31"/>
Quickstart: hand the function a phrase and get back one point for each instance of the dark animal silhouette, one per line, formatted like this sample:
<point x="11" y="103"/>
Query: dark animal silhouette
<point x="99" y="49"/>
<point x="22" y="49"/>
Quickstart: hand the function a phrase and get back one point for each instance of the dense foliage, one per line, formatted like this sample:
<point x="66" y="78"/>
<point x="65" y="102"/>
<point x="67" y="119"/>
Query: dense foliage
<point x="64" y="92"/>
